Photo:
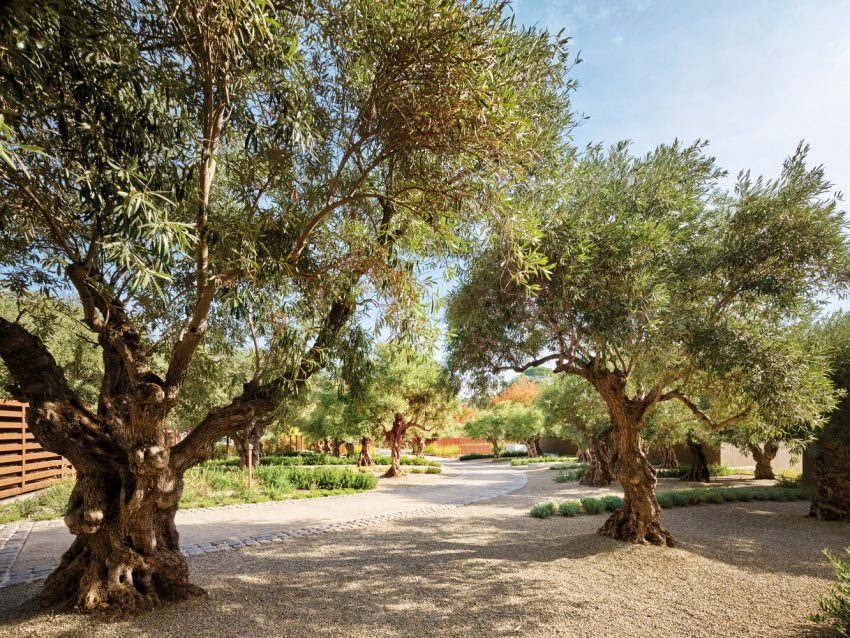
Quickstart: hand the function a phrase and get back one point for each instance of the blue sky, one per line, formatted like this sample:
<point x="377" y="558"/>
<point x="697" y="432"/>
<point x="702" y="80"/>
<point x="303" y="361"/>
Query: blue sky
<point x="754" y="77"/>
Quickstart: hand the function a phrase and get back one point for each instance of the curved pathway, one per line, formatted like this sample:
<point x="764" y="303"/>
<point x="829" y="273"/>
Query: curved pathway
<point x="29" y="551"/>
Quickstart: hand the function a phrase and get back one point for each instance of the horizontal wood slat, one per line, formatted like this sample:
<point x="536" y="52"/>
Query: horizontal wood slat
<point x="24" y="465"/>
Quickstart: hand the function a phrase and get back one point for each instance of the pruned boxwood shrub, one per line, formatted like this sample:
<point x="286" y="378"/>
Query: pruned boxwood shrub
<point x="613" y="502"/>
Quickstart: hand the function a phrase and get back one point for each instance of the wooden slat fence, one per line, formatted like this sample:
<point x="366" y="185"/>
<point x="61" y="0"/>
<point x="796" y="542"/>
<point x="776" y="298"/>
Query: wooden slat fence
<point x="24" y="465"/>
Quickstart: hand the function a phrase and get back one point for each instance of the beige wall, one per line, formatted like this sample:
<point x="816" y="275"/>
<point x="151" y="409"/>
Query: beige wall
<point x="732" y="457"/>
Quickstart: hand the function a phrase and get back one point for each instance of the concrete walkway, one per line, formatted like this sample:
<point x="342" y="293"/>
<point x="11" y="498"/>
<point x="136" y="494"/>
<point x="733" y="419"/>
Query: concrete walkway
<point x="30" y="551"/>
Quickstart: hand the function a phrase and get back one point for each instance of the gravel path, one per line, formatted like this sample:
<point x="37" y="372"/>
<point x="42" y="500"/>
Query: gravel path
<point x="745" y="569"/>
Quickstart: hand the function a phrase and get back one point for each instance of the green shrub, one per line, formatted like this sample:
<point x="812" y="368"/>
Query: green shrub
<point x="568" y="477"/>
<point x="474" y="456"/>
<point x="543" y="459"/>
<point x="665" y="500"/>
<point x="678" y="498"/>
<point x="592" y="505"/>
<point x="613" y="502"/>
<point x="569" y="508"/>
<point x="512" y="455"/>
<point x="566" y="466"/>
<point x="544" y="510"/>
<point x="790" y="477"/>
<point x="835" y="607"/>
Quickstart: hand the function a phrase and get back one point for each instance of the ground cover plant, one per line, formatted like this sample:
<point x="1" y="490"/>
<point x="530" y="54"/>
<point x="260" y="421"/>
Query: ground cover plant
<point x="714" y="469"/>
<point x="571" y="475"/>
<point x="474" y="456"/>
<point x="676" y="498"/>
<point x="835" y="606"/>
<point x="543" y="459"/>
<point x="209" y="486"/>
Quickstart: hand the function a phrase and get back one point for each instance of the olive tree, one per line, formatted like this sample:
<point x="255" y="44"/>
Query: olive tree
<point x="406" y="392"/>
<point x="655" y="285"/>
<point x="184" y="168"/>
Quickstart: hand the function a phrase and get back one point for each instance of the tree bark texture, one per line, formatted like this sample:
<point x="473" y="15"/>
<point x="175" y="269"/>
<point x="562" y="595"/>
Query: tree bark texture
<point x="639" y="520"/>
<point x="495" y="444"/>
<point x="395" y="439"/>
<point x="241" y="441"/>
<point x="763" y="457"/>
<point x="832" y="480"/>
<point x="418" y="444"/>
<point x="532" y="449"/>
<point x="698" y="471"/>
<point x="365" y="458"/>
<point x="583" y="455"/>
<point x="600" y="469"/>
<point x="669" y="460"/>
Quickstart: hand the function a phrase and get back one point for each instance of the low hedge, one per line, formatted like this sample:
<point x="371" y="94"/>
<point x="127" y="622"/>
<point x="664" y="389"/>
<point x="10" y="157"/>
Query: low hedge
<point x="543" y="459"/>
<point x="676" y="498"/>
<point x="572" y="475"/>
<point x="321" y="478"/>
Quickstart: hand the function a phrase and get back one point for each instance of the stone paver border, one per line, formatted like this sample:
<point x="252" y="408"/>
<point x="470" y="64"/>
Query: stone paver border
<point x="13" y="535"/>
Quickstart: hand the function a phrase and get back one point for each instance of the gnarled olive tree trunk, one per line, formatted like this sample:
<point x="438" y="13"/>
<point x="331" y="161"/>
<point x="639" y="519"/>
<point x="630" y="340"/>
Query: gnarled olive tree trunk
<point x="532" y="448"/>
<point x="600" y="470"/>
<point x="418" y="444"/>
<point x="583" y="455"/>
<point x="698" y="471"/>
<point x="126" y="556"/>
<point x="639" y="520"/>
<point x="763" y="457"/>
<point x="365" y="458"/>
<point x="832" y="478"/>
<point x="395" y="439"/>
<point x="241" y="441"/>
<point x="495" y="445"/>
<point x="669" y="460"/>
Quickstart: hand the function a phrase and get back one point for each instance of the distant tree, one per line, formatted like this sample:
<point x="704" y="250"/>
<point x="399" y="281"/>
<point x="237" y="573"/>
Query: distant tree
<point x="406" y="392"/>
<point x="487" y="425"/>
<point x="653" y="285"/>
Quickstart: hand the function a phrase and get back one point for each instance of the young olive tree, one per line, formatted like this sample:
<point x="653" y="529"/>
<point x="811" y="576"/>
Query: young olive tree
<point x="406" y="392"/>
<point x="187" y="167"/>
<point x="656" y="286"/>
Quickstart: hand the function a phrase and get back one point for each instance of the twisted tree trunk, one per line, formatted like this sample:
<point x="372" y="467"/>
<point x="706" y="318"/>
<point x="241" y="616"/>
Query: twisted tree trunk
<point x="832" y="478"/>
<point x="495" y="443"/>
<point x="395" y="439"/>
<point x="336" y="446"/>
<point x="349" y="449"/>
<point x="639" y="520"/>
<point x="365" y="458"/>
<point x="126" y="556"/>
<point x="418" y="444"/>
<point x="763" y="457"/>
<point x="583" y="455"/>
<point x="532" y="449"/>
<point x="241" y="441"/>
<point x="669" y="460"/>
<point x="698" y="471"/>
<point x="600" y="470"/>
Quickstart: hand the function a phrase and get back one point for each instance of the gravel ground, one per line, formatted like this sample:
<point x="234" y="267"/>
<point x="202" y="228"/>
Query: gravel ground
<point x="746" y="569"/>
